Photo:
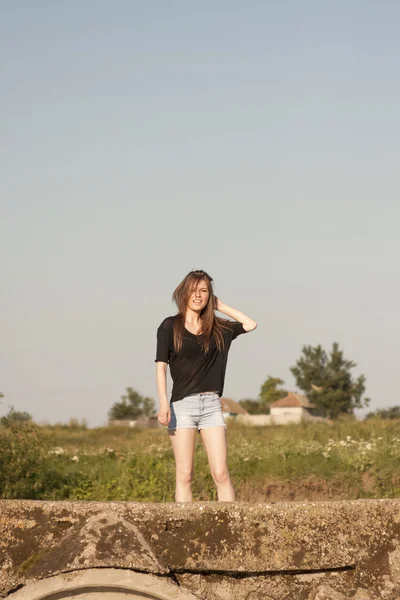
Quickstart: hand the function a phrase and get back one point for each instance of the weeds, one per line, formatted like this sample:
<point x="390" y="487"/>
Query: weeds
<point x="361" y="459"/>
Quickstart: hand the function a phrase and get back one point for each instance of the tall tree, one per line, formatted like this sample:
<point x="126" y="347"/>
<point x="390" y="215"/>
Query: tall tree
<point x="254" y="407"/>
<point x="270" y="391"/>
<point x="133" y="406"/>
<point x="327" y="380"/>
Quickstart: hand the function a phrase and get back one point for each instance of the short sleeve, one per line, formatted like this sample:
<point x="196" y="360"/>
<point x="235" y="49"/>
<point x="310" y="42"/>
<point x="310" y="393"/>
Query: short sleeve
<point x="164" y="342"/>
<point x="237" y="328"/>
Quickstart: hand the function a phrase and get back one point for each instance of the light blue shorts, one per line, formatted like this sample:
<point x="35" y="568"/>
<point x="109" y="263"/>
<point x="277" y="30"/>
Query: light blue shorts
<point x="197" y="411"/>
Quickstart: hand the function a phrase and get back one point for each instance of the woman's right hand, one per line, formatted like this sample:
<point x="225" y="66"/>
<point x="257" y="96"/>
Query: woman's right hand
<point x="164" y="414"/>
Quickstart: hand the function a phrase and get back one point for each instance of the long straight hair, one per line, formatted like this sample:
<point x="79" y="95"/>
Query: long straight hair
<point x="211" y="325"/>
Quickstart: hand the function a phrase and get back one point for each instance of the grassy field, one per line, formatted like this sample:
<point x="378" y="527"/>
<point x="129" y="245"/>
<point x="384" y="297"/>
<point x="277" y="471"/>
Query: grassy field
<point x="347" y="460"/>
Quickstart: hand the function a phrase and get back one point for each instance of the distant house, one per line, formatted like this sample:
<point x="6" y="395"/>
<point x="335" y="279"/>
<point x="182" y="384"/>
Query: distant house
<point x="294" y="408"/>
<point x="230" y="408"/>
<point x="254" y="419"/>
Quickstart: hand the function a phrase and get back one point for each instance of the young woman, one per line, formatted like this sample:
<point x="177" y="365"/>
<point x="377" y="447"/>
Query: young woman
<point x="195" y="344"/>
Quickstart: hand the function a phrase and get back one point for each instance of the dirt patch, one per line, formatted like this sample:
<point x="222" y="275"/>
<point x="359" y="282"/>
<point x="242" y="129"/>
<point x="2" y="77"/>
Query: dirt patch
<point x="27" y="537"/>
<point x="118" y="539"/>
<point x="182" y="541"/>
<point x="368" y="482"/>
<point x="312" y="488"/>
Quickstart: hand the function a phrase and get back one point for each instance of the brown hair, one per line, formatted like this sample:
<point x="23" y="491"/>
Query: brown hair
<point x="211" y="325"/>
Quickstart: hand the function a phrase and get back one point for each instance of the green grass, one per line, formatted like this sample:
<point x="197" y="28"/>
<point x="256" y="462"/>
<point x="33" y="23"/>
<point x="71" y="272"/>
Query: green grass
<point x="354" y="459"/>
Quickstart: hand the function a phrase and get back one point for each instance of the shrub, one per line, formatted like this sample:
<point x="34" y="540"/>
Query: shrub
<point x="27" y="470"/>
<point x="14" y="417"/>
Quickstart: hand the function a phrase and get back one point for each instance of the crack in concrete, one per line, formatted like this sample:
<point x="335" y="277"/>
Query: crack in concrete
<point x="244" y="574"/>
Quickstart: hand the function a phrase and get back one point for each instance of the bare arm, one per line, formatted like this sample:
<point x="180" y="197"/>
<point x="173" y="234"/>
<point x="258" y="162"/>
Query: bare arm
<point x="164" y="414"/>
<point x="248" y="324"/>
<point x="161" y="378"/>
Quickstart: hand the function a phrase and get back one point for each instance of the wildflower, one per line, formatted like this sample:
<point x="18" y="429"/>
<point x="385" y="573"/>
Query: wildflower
<point x="57" y="451"/>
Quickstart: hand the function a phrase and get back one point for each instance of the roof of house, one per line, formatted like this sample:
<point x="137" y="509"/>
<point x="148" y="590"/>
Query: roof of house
<point x="293" y="400"/>
<point x="230" y="406"/>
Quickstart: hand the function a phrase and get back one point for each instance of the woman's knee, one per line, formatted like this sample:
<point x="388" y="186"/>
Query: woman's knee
<point x="184" y="476"/>
<point x="220" y="475"/>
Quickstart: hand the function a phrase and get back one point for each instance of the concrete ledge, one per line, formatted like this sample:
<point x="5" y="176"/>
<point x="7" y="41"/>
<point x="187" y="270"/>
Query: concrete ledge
<point x="209" y="548"/>
<point x="105" y="583"/>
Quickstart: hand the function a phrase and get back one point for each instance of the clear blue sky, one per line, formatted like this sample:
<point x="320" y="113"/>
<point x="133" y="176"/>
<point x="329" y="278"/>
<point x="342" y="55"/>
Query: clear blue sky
<point x="139" y="140"/>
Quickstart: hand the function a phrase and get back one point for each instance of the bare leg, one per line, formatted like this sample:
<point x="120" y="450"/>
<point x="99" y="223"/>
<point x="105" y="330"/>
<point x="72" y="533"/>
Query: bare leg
<point x="183" y="442"/>
<point x="214" y="439"/>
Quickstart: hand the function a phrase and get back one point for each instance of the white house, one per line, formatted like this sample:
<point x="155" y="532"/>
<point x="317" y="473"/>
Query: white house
<point x="294" y="408"/>
<point x="231" y="408"/>
<point x="254" y="419"/>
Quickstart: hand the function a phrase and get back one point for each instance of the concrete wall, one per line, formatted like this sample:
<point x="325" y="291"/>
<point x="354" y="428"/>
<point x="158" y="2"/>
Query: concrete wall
<point x="200" y="551"/>
<point x="144" y="423"/>
<point x="279" y="416"/>
<point x="283" y="415"/>
<point x="254" y="419"/>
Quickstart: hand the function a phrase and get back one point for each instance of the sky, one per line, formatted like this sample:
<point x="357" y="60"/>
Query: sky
<point x="258" y="141"/>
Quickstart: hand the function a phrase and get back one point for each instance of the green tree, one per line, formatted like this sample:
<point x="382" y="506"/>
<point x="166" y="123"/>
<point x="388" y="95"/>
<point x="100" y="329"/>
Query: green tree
<point x="254" y="407"/>
<point x="393" y="412"/>
<point x="328" y="382"/>
<point x="133" y="406"/>
<point x="270" y="391"/>
<point x="14" y="417"/>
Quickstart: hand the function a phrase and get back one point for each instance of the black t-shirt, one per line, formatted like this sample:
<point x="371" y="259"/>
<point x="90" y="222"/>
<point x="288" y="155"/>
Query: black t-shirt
<point x="192" y="370"/>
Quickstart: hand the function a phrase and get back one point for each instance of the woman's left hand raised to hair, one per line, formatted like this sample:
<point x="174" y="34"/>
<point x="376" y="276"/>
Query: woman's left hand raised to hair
<point x="217" y="303"/>
<point x="248" y="323"/>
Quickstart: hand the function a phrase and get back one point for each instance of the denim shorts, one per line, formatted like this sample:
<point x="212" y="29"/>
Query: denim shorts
<point x="197" y="411"/>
